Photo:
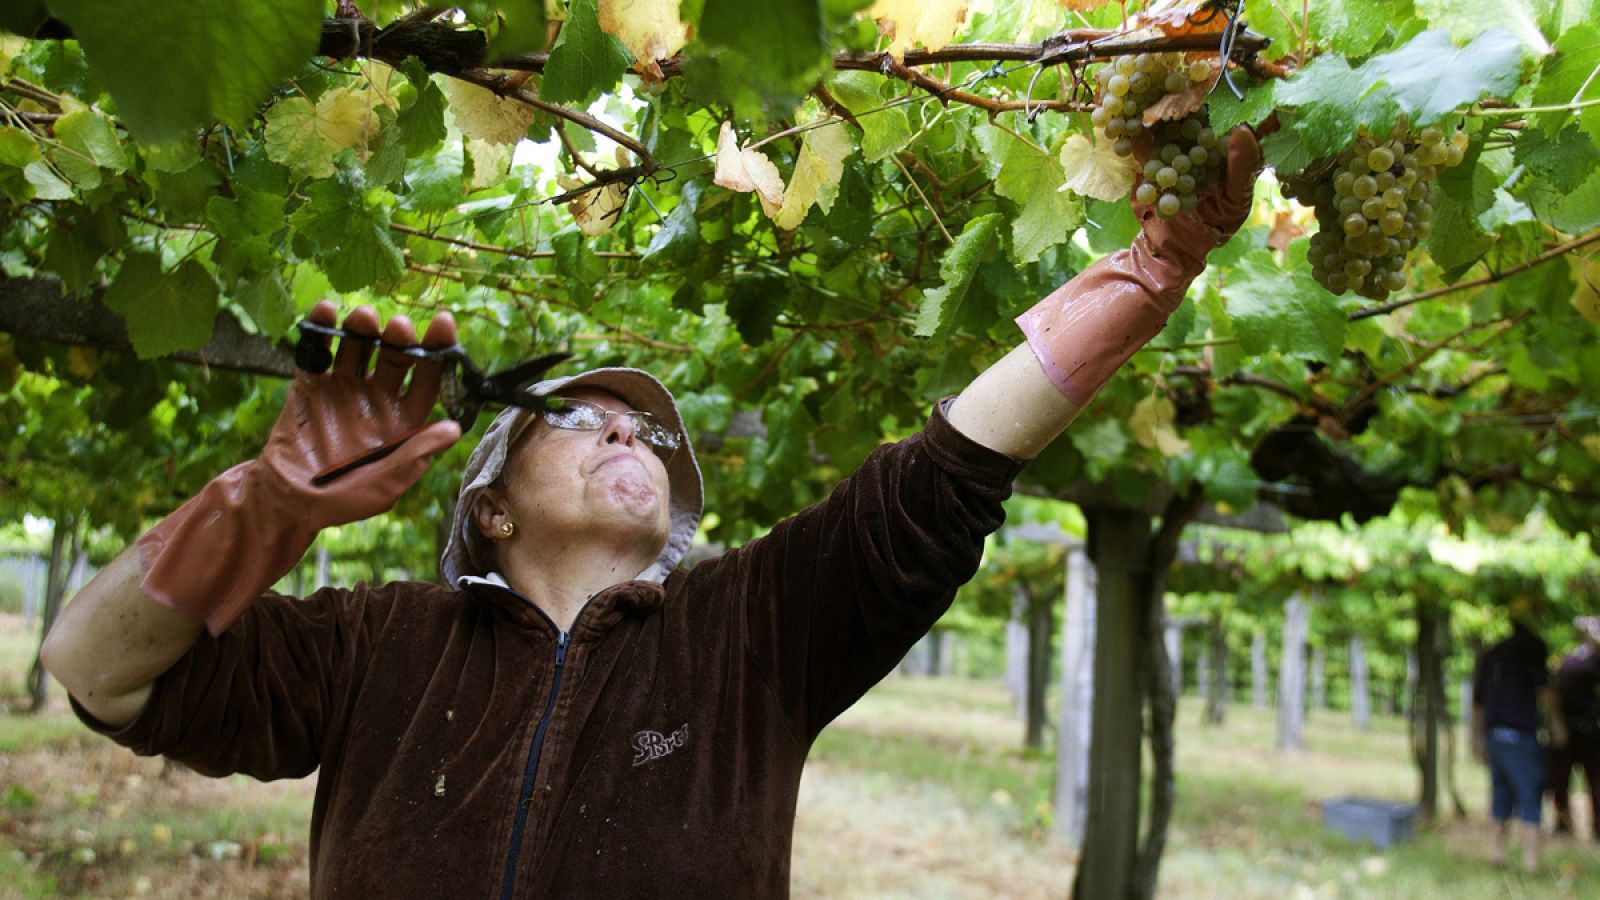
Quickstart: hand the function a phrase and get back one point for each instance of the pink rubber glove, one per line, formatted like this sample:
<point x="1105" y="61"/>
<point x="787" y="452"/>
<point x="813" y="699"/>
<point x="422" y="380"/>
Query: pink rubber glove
<point x="250" y="525"/>
<point x="1087" y="328"/>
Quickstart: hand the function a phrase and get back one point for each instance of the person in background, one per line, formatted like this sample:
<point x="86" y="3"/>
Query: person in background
<point x="1510" y="684"/>
<point x="1577" y="688"/>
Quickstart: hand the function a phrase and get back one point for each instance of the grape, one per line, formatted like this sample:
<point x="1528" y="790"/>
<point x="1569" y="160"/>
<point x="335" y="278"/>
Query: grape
<point x="1185" y="158"/>
<point x="1373" y="204"/>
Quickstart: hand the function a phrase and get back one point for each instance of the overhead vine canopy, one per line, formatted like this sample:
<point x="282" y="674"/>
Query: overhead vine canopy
<point x="826" y="211"/>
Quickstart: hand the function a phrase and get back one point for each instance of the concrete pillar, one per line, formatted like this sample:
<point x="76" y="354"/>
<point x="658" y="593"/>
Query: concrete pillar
<point x="1077" y="697"/>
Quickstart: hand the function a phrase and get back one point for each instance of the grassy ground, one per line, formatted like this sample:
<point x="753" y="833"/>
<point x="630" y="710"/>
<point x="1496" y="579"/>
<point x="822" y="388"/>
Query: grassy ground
<point x="920" y="791"/>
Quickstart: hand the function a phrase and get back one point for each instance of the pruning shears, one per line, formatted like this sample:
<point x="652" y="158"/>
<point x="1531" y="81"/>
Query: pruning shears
<point x="466" y="388"/>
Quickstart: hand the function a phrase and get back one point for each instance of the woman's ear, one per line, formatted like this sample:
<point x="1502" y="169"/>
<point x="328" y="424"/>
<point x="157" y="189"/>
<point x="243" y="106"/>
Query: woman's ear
<point x="489" y="513"/>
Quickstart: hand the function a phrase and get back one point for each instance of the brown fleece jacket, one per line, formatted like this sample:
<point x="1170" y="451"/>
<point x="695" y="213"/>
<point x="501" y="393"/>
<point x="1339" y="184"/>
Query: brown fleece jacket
<point x="665" y="734"/>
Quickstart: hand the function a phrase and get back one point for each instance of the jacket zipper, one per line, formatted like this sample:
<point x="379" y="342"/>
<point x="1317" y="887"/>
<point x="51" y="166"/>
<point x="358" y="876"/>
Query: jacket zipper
<point x="525" y="798"/>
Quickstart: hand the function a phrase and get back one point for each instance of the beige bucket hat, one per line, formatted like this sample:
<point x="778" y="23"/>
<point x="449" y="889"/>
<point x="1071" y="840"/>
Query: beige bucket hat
<point x="469" y="553"/>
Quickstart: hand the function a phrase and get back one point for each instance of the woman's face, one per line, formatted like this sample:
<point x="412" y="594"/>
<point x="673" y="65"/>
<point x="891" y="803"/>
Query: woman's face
<point x="567" y="483"/>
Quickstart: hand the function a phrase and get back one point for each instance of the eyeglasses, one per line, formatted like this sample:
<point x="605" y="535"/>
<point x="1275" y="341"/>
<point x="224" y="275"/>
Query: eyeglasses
<point x="577" y="415"/>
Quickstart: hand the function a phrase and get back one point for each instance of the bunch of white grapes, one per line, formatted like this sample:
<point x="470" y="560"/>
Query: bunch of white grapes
<point x="1186" y="155"/>
<point x="1374" y="203"/>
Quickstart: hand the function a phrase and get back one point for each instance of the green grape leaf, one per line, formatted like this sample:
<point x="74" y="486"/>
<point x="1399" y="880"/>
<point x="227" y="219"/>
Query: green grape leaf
<point x="1456" y="241"/>
<point x="1425" y="80"/>
<point x="1354" y="27"/>
<point x="1576" y="212"/>
<point x="88" y="147"/>
<point x="17" y="153"/>
<point x="1568" y="77"/>
<point x="268" y="304"/>
<point x="1284" y="311"/>
<point x="1564" y="162"/>
<point x="71" y="254"/>
<point x="1049" y="215"/>
<point x="173" y="67"/>
<point x="941" y="305"/>
<point x="784" y="36"/>
<point x="1227" y="110"/>
<point x="244" y="225"/>
<point x="1102" y="444"/>
<point x="883" y="131"/>
<point x="351" y="241"/>
<point x="165" y="311"/>
<point x="1266" y="17"/>
<point x="1506" y="210"/>
<point x="754" y="304"/>
<point x="1321" y="93"/>
<point x="45" y="183"/>
<point x="421" y="123"/>
<point x="677" y="241"/>
<point x="1430" y="76"/>
<point x="585" y="62"/>
<point x="435" y="179"/>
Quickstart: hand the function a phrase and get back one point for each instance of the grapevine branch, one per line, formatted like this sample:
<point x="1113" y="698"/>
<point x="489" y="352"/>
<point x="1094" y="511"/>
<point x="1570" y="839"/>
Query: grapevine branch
<point x="1560" y="250"/>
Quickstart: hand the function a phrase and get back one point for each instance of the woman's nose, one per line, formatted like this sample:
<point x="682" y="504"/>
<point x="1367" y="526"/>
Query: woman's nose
<point x="618" y="429"/>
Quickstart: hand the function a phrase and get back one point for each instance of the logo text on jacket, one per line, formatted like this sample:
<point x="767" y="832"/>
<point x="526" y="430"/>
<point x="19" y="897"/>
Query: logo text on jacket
<point x="652" y="745"/>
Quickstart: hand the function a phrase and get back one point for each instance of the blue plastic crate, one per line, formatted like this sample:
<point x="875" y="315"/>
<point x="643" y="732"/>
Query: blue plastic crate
<point x="1378" y="822"/>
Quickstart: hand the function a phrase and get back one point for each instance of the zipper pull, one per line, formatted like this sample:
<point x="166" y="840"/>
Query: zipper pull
<point x="562" y="640"/>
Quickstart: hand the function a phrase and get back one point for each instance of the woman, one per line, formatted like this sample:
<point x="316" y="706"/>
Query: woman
<point x="572" y="715"/>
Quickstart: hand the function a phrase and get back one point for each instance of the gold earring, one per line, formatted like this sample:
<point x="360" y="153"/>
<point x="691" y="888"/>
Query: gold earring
<point x="506" y="528"/>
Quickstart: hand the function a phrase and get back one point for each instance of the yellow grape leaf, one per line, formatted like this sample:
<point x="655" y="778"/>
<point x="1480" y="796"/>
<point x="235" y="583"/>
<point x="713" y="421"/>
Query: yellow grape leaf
<point x="1093" y="169"/>
<point x="381" y="83"/>
<point x="597" y="210"/>
<point x="294" y="138"/>
<point x="11" y="47"/>
<point x="1082" y="5"/>
<point x="1176" y="106"/>
<point x="486" y="116"/>
<point x="816" y="175"/>
<point x="1586" y="272"/>
<point x="490" y="163"/>
<point x="346" y="120"/>
<point x="906" y="23"/>
<point x="650" y="29"/>
<point x="1152" y="426"/>
<point x="1591" y="443"/>
<point x="83" y="362"/>
<point x="744" y="171"/>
